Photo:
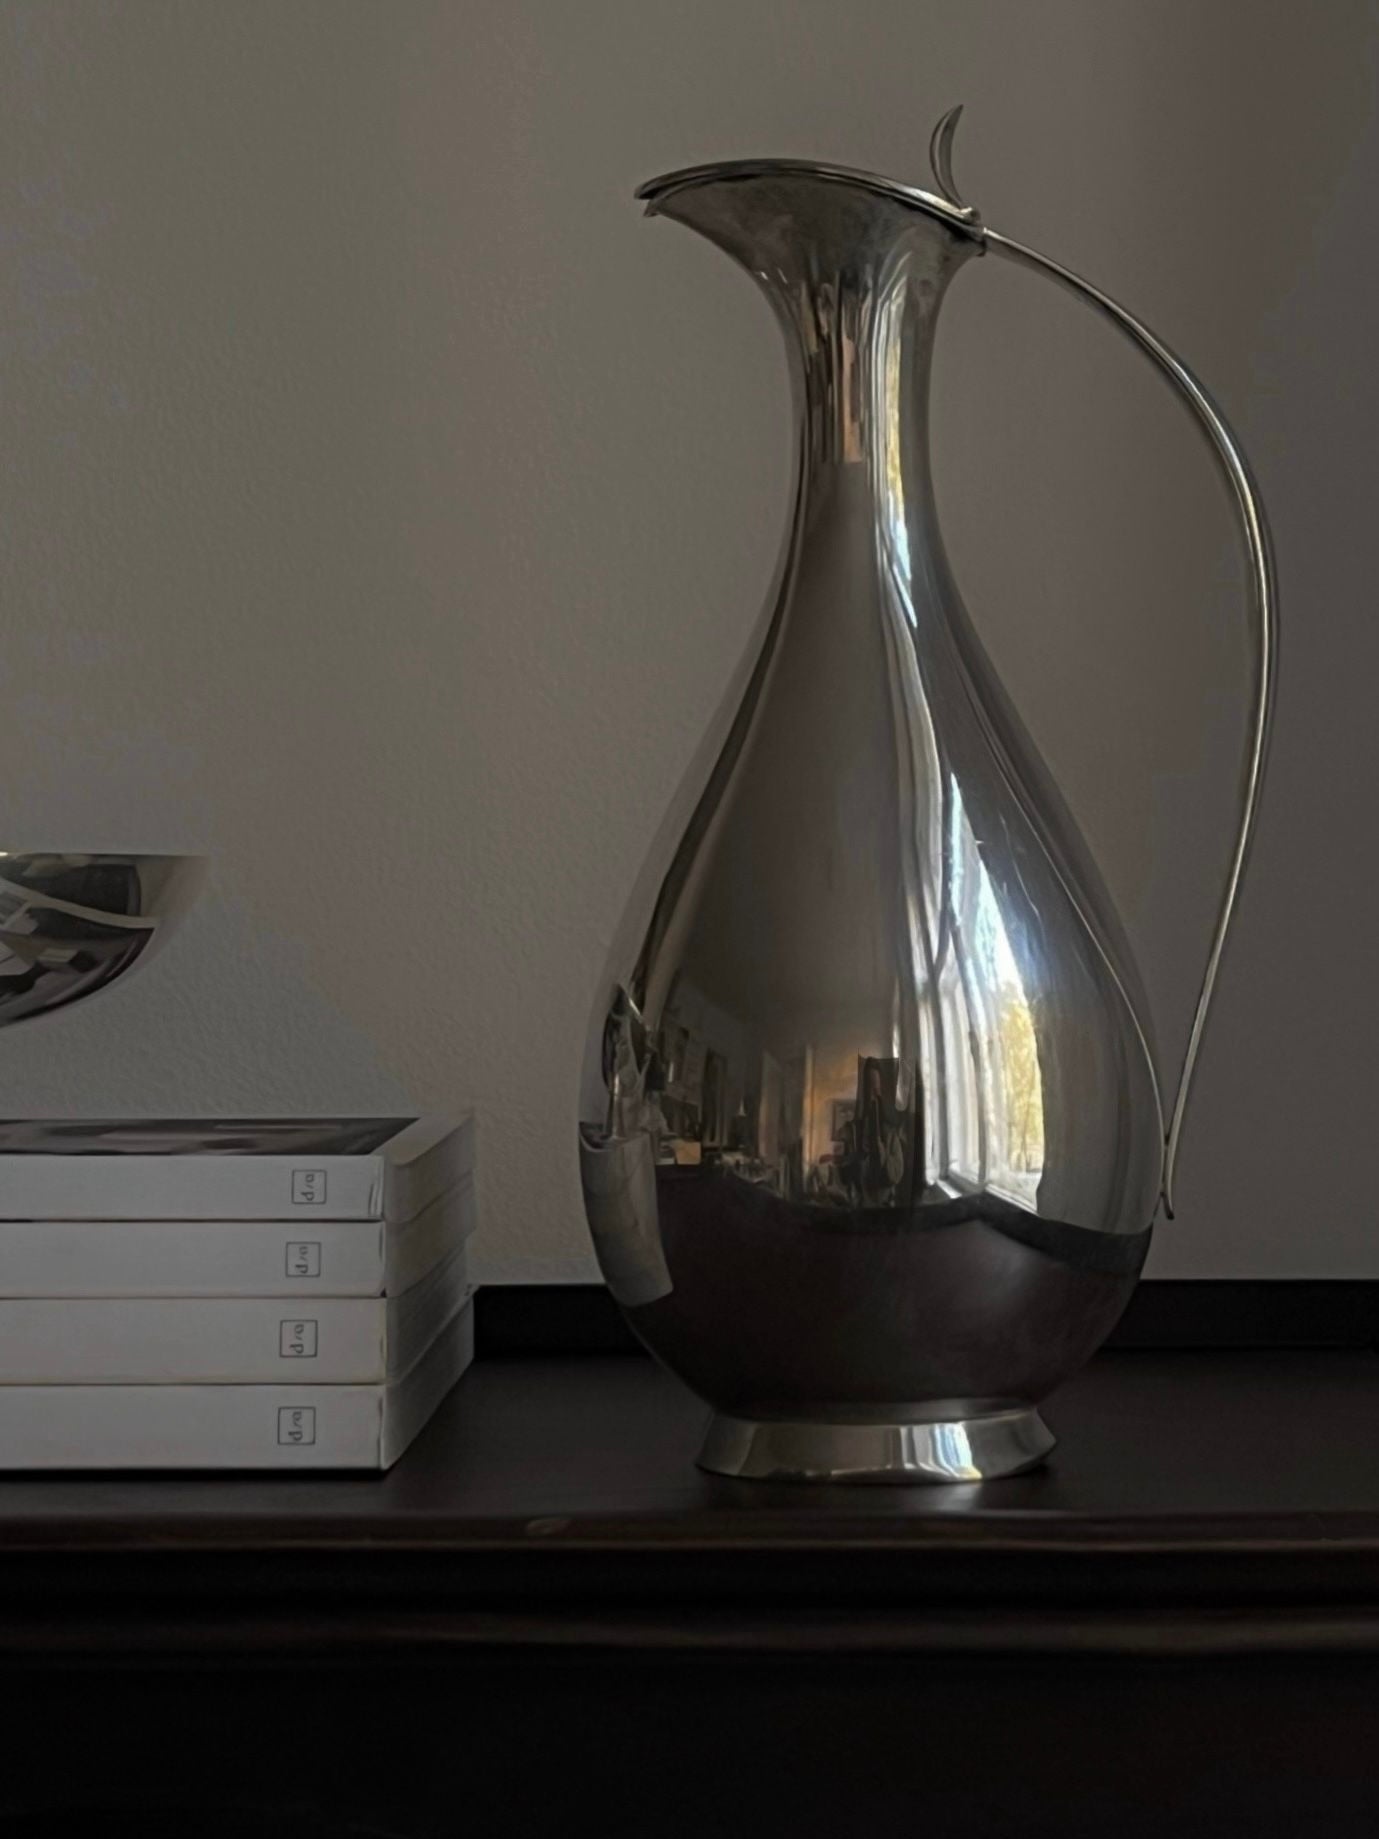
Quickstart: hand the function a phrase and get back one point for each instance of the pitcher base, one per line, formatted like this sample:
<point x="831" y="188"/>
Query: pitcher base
<point x="951" y="1450"/>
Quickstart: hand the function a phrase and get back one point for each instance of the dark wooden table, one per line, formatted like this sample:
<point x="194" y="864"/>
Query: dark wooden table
<point x="546" y="1615"/>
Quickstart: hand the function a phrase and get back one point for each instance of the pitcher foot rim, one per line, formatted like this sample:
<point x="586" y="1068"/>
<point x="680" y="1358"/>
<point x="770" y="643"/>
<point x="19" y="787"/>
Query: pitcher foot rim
<point x="970" y="1449"/>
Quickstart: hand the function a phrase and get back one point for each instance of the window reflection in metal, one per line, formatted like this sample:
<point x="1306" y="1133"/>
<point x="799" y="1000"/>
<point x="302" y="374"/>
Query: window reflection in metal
<point x="997" y="1138"/>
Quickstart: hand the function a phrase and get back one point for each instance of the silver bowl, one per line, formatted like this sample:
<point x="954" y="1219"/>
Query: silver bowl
<point x="72" y="924"/>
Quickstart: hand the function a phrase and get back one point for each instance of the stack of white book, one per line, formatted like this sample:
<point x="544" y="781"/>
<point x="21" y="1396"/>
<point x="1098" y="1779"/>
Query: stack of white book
<point x="227" y="1293"/>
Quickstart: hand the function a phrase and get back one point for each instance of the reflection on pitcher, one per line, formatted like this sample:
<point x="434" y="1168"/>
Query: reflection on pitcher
<point x="874" y="1147"/>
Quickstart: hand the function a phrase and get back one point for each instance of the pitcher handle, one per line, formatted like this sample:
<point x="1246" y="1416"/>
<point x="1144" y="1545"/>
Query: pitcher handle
<point x="1264" y="625"/>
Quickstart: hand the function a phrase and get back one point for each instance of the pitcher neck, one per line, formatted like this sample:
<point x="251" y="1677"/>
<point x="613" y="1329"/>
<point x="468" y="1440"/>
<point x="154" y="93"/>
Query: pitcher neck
<point x="855" y="268"/>
<point x="861" y="347"/>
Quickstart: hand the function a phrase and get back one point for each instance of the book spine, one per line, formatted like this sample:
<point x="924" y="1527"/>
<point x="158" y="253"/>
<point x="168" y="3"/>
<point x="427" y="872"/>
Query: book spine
<point x="191" y="1427"/>
<point x="193" y="1188"/>
<point x="230" y="1427"/>
<point x="421" y="1163"/>
<point x="155" y="1258"/>
<point x="191" y="1340"/>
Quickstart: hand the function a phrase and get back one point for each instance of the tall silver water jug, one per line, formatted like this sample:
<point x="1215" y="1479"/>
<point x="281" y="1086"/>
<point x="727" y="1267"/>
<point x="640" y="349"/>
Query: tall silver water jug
<point x="872" y="1140"/>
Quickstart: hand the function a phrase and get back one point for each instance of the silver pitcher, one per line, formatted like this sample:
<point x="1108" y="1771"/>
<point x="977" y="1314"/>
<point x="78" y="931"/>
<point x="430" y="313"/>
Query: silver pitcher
<point x="873" y="1136"/>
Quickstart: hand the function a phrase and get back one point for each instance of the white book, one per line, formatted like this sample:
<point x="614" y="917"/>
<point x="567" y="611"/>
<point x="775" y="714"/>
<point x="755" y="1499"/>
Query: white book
<point x="331" y="1340"/>
<point x="155" y="1258"/>
<point x="354" y="1168"/>
<point x="231" y="1427"/>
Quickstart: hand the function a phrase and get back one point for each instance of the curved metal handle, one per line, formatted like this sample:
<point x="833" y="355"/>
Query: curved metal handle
<point x="1263" y="600"/>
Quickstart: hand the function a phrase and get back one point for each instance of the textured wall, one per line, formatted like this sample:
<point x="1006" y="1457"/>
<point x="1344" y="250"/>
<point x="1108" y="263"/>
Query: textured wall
<point x="385" y="506"/>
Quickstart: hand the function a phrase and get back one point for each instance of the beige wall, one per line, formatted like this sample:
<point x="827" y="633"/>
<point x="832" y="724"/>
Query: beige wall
<point x="385" y="506"/>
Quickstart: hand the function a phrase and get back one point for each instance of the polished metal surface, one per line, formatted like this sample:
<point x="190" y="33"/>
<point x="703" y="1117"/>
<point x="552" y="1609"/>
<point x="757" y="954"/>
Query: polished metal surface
<point x="878" y="1126"/>
<point x="71" y="924"/>
<point x="953" y="1449"/>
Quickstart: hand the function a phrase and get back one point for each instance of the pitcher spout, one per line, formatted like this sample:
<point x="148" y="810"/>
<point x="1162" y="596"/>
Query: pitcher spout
<point x="657" y="193"/>
<point x="778" y="217"/>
